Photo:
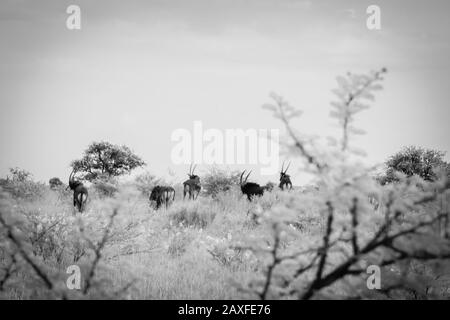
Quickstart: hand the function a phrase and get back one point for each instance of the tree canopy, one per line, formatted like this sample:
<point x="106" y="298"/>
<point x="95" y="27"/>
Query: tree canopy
<point x="414" y="161"/>
<point x="105" y="159"/>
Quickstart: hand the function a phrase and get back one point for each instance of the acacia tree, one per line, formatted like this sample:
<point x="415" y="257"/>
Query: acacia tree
<point x="351" y="235"/>
<point x="102" y="159"/>
<point x="414" y="161"/>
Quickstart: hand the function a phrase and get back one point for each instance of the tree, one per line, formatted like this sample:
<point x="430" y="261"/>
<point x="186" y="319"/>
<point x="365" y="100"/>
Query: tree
<point x="105" y="159"/>
<point x="414" y="161"/>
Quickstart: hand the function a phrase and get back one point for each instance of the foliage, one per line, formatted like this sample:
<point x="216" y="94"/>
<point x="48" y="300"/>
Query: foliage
<point x="217" y="180"/>
<point x="55" y="183"/>
<point x="145" y="183"/>
<point x="19" y="175"/>
<point x="412" y="160"/>
<point x="104" y="158"/>
<point x="35" y="247"/>
<point x="353" y="92"/>
<point x="105" y="186"/>
<point x="20" y="184"/>
<point x="352" y="234"/>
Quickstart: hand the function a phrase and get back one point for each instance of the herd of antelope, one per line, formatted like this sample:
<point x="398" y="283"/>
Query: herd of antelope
<point x="164" y="195"/>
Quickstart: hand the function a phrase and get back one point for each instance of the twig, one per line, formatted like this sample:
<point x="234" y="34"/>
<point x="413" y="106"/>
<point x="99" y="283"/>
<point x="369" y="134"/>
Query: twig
<point x="98" y="252"/>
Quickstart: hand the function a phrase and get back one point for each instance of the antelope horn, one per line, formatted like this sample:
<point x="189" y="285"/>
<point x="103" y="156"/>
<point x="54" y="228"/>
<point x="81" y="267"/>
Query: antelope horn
<point x="71" y="174"/>
<point x="193" y="169"/>
<point x="248" y="176"/>
<point x="242" y="174"/>
<point x="287" y="167"/>
<point x="190" y="169"/>
<point x="282" y="168"/>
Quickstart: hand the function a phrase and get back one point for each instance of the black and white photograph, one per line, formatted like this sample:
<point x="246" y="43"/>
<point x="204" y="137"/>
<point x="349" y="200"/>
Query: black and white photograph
<point x="243" y="151"/>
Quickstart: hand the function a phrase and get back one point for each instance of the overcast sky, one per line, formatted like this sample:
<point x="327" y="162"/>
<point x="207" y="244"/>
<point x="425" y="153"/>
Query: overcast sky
<point x="138" y="70"/>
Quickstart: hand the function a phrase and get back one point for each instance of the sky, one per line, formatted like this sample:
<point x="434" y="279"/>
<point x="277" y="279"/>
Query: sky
<point x="137" y="71"/>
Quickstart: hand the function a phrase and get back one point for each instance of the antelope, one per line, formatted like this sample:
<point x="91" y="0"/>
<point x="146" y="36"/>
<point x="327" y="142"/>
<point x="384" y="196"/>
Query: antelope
<point x="192" y="185"/>
<point x="285" y="179"/>
<point x="79" y="190"/>
<point x="250" y="189"/>
<point x="162" y="194"/>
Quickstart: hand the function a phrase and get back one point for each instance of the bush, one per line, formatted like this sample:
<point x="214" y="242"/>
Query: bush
<point x="412" y="160"/>
<point x="145" y="183"/>
<point x="105" y="186"/>
<point x="217" y="180"/>
<point x="55" y="183"/>
<point x="20" y="184"/>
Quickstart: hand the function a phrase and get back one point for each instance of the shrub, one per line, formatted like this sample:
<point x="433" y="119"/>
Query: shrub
<point x="415" y="161"/>
<point x="20" y="184"/>
<point x="55" y="183"/>
<point x="217" y="180"/>
<point x="105" y="186"/>
<point x="145" y="183"/>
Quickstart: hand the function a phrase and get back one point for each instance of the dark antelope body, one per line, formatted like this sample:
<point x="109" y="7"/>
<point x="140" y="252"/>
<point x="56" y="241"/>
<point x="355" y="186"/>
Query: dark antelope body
<point x="192" y="185"/>
<point x="250" y="189"/>
<point x="80" y="192"/>
<point x="162" y="195"/>
<point x="285" y="179"/>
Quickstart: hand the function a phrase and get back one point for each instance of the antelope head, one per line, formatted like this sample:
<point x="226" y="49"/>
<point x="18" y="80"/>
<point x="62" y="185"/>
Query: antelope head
<point x="285" y="179"/>
<point x="191" y="174"/>
<point x="283" y="175"/>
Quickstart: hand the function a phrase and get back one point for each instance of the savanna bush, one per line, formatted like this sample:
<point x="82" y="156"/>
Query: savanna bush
<point x="55" y="183"/>
<point x="412" y="160"/>
<point x="105" y="186"/>
<point x="217" y="180"/>
<point x="20" y="184"/>
<point x="145" y="183"/>
<point x="40" y="237"/>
